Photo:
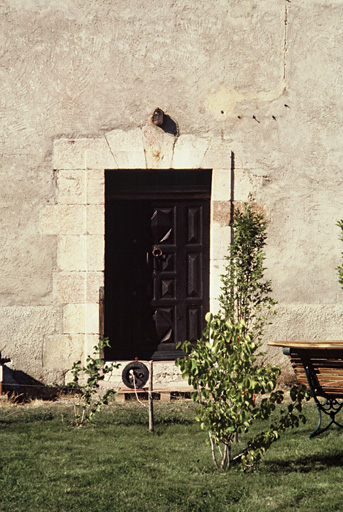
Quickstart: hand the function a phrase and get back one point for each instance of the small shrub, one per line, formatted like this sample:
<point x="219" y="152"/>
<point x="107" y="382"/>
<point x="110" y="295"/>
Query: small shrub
<point x="90" y="402"/>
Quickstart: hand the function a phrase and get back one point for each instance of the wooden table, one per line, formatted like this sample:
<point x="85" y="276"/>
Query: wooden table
<point x="319" y="366"/>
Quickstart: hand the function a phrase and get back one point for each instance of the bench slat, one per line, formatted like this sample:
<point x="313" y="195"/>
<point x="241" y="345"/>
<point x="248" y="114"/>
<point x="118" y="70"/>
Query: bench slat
<point x="324" y="359"/>
<point x="326" y="365"/>
<point x="326" y="345"/>
<point x="319" y="366"/>
<point x="322" y="364"/>
<point x="322" y="371"/>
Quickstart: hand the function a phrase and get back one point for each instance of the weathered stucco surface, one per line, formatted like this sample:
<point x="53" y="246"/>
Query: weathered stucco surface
<point x="263" y="76"/>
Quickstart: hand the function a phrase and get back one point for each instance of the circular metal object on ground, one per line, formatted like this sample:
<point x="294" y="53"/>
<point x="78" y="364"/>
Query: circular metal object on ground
<point x="135" y="375"/>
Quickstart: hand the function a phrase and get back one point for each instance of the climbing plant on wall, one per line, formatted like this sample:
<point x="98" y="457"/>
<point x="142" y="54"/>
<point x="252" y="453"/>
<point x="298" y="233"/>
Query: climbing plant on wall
<point x="246" y="296"/>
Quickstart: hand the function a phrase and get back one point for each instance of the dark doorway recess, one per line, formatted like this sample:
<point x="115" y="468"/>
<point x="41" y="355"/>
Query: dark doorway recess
<point x="157" y="226"/>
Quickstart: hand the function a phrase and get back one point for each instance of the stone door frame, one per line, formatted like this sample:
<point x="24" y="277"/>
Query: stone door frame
<point x="77" y="219"/>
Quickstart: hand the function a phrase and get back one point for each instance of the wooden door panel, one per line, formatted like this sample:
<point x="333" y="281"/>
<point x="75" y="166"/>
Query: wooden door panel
<point x="194" y="275"/>
<point x="164" y="276"/>
<point x="163" y="225"/>
<point x="156" y="274"/>
<point x="194" y="323"/>
<point x="164" y="319"/>
<point x="194" y="225"/>
<point x="197" y="265"/>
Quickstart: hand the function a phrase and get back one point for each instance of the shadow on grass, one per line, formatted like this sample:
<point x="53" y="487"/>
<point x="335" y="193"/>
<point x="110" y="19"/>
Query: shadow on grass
<point x="21" y="417"/>
<point x="141" y="419"/>
<point x="306" y="464"/>
<point x="129" y="415"/>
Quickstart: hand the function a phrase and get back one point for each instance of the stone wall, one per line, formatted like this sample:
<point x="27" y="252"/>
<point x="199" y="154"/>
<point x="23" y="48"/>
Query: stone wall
<point x="262" y="77"/>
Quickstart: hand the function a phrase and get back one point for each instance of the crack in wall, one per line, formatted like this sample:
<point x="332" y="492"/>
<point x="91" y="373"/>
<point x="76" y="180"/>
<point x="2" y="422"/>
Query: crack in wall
<point x="109" y="147"/>
<point x="285" y="40"/>
<point x="173" y="148"/>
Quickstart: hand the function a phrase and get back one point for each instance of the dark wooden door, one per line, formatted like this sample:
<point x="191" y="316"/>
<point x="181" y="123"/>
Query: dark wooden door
<point x="156" y="272"/>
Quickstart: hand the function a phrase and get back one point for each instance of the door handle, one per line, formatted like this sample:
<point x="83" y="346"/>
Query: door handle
<point x="157" y="252"/>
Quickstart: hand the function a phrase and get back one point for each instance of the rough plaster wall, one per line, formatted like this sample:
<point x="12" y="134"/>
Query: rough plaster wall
<point x="264" y="75"/>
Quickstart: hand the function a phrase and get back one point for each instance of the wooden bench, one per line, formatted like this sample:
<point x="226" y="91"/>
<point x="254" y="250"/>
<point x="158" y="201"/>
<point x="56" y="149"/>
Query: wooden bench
<point x="319" y="366"/>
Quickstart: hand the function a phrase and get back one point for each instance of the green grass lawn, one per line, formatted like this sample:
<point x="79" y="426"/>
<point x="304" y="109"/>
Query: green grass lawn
<point x="46" y="465"/>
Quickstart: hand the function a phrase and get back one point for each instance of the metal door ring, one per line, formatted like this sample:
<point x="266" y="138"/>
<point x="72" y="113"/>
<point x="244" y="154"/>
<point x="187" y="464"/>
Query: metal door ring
<point x="157" y="252"/>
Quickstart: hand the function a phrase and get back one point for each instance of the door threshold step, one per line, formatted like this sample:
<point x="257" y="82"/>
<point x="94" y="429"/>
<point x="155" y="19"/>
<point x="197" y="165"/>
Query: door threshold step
<point x="143" y="394"/>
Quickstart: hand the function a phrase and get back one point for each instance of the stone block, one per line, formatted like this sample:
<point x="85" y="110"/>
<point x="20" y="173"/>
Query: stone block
<point x="220" y="241"/>
<point x="214" y="305"/>
<point x="189" y="152"/>
<point x="72" y="252"/>
<point x="94" y="281"/>
<point x="122" y="140"/>
<point x="63" y="219"/>
<point x="95" y="252"/>
<point x="91" y="341"/>
<point x="127" y="148"/>
<point x="69" y="153"/>
<point x="100" y="157"/>
<point x="71" y="186"/>
<point x="158" y="147"/>
<point x="114" y="378"/>
<point x="131" y="159"/>
<point x="22" y="334"/>
<point x="167" y="377"/>
<point x="81" y="253"/>
<point x="96" y="219"/>
<point x="165" y="374"/>
<point x="81" y="319"/>
<point x="60" y="352"/>
<point x="77" y="153"/>
<point x="78" y="287"/>
<point x="216" y="269"/>
<point x="221" y="185"/>
<point x="221" y="212"/>
<point x="74" y="319"/>
<point x="92" y="319"/>
<point x="71" y="287"/>
<point x="95" y="187"/>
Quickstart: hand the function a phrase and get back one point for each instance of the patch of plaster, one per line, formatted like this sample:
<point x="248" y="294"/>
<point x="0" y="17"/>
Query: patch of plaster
<point x="224" y="101"/>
